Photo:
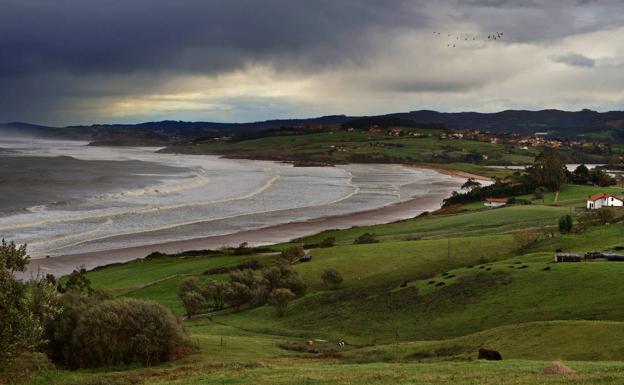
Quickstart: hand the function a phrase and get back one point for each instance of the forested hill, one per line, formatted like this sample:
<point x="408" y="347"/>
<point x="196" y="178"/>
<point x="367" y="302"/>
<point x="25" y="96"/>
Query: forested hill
<point x="598" y="125"/>
<point x="564" y="123"/>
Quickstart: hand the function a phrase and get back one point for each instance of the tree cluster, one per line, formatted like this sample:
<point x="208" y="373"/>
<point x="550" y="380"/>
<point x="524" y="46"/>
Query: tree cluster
<point x="244" y="288"/>
<point x="597" y="176"/>
<point x="78" y="326"/>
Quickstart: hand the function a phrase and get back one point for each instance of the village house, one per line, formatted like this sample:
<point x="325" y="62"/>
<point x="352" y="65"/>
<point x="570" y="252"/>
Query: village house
<point x="601" y="200"/>
<point x="495" y="202"/>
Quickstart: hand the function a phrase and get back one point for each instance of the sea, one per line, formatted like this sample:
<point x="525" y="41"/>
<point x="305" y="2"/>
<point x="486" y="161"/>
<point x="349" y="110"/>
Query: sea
<point x="66" y="197"/>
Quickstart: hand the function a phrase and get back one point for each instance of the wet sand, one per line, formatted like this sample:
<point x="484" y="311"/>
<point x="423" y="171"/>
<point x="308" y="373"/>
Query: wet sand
<point x="64" y="264"/>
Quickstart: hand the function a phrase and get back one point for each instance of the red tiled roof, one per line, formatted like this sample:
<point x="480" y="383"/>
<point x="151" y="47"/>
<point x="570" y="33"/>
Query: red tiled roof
<point x="595" y="197"/>
<point x="496" y="200"/>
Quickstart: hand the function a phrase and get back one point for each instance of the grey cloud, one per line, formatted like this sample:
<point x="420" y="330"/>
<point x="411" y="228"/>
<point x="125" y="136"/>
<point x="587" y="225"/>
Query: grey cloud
<point x="574" y="60"/>
<point x="56" y="57"/>
<point x="92" y="42"/>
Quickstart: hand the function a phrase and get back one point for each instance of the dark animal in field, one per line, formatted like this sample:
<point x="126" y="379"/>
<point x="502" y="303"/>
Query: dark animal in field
<point x="341" y="344"/>
<point x="490" y="355"/>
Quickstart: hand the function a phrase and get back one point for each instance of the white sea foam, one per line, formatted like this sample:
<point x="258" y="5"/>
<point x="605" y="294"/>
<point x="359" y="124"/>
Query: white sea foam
<point x="204" y="195"/>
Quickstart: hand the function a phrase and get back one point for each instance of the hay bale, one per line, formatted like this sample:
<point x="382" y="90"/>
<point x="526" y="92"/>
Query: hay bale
<point x="558" y="368"/>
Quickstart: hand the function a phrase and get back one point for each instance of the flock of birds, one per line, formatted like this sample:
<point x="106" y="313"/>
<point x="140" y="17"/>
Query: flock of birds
<point x="454" y="40"/>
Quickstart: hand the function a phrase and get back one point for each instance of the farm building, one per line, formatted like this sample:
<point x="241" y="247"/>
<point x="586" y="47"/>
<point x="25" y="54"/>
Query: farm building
<point x="601" y="200"/>
<point x="495" y="202"/>
<point x="567" y="257"/>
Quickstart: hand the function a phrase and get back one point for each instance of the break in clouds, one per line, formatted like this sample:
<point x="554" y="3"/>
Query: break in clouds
<point x="84" y="61"/>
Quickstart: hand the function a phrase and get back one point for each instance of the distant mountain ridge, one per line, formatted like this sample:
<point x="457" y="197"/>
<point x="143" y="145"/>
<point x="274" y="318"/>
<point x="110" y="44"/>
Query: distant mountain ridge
<point x="556" y="122"/>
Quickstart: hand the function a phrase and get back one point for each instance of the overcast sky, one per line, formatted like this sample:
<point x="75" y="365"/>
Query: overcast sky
<point x="86" y="61"/>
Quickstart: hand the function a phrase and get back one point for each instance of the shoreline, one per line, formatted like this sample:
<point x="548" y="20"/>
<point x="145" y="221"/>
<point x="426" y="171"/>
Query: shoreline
<point x="449" y="171"/>
<point x="268" y="235"/>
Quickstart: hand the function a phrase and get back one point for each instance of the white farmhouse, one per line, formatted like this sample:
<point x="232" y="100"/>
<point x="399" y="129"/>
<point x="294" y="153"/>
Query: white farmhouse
<point x="600" y="200"/>
<point x="495" y="202"/>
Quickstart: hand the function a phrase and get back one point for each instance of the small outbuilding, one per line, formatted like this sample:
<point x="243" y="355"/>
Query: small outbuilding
<point x="567" y="257"/>
<point x="495" y="202"/>
<point x="598" y="201"/>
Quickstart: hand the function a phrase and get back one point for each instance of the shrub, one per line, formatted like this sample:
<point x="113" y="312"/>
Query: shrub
<point x="565" y="224"/>
<point x="525" y="239"/>
<point x="116" y="332"/>
<point x="328" y="242"/>
<point x="252" y="264"/>
<point x="331" y="277"/>
<point x="539" y="193"/>
<point x="366" y="238"/>
<point x="293" y="254"/>
<point x="279" y="299"/>
<point x="242" y="249"/>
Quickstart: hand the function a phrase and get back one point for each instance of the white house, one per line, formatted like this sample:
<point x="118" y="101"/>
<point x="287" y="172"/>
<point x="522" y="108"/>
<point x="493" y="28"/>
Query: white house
<point x="600" y="200"/>
<point x="495" y="202"/>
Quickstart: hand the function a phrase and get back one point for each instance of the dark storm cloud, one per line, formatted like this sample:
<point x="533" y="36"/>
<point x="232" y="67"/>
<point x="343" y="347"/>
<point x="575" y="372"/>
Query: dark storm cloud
<point x="64" y="60"/>
<point x="80" y="41"/>
<point x="574" y="60"/>
<point x="108" y="36"/>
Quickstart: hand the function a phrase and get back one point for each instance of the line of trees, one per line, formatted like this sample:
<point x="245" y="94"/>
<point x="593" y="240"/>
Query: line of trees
<point x="277" y="284"/>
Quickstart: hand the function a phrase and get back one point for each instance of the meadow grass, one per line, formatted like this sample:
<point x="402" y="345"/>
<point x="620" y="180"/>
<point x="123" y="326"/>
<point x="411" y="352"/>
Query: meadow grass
<point x="410" y="310"/>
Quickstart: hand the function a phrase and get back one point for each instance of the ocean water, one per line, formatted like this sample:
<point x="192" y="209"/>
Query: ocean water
<point x="65" y="197"/>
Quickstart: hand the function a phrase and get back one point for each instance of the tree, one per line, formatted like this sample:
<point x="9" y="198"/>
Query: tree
<point x="565" y="224"/>
<point x="238" y="294"/>
<point x="189" y="293"/>
<point x="581" y="175"/>
<point x="281" y="275"/>
<point x="600" y="178"/>
<point x="331" y="277"/>
<point x="328" y="242"/>
<point x="214" y="292"/>
<point x="20" y="329"/>
<point x="366" y="238"/>
<point x="193" y="302"/>
<point x="471" y="184"/>
<point x="279" y="299"/>
<point x="549" y="170"/>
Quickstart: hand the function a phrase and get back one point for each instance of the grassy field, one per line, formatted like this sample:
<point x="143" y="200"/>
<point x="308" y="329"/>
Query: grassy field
<point x="360" y="146"/>
<point x="413" y="308"/>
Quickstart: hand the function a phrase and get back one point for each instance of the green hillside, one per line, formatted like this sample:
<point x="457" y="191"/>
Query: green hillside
<point x="413" y="308"/>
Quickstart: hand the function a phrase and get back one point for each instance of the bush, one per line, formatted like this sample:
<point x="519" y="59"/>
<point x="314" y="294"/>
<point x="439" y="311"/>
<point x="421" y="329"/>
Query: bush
<point x="519" y="201"/>
<point x="279" y="298"/>
<point x="293" y="254"/>
<point x="328" y="242"/>
<point x="116" y="332"/>
<point x="331" y="277"/>
<point x="366" y="238"/>
<point x="243" y="249"/>
<point x="525" y="239"/>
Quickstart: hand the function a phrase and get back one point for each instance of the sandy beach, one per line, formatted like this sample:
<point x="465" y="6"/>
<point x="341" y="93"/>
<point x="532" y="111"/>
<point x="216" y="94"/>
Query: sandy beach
<point x="262" y="236"/>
